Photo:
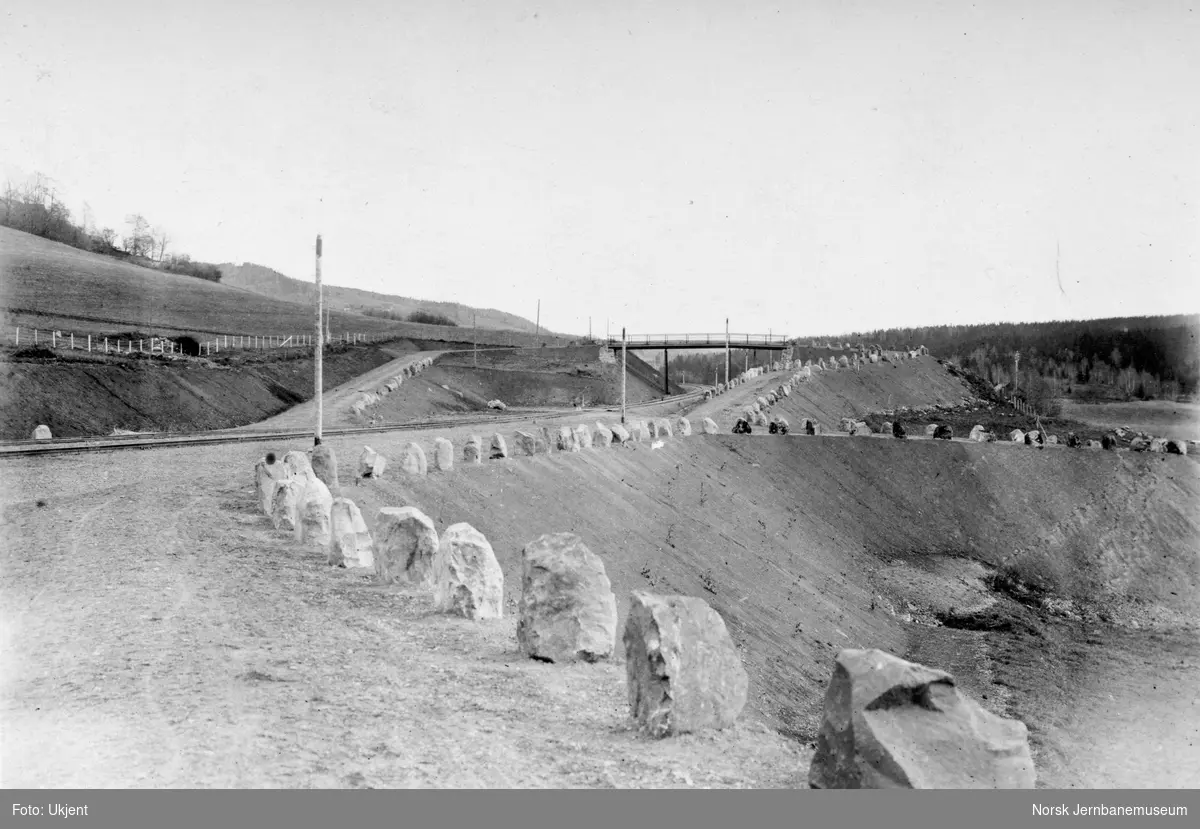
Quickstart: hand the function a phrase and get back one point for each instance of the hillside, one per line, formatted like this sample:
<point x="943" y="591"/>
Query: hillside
<point x="263" y="280"/>
<point x="1131" y="356"/>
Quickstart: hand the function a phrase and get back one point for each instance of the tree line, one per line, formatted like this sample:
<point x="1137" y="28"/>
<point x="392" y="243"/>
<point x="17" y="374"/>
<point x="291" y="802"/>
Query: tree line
<point x="426" y="317"/>
<point x="36" y="208"/>
<point x="1120" y="357"/>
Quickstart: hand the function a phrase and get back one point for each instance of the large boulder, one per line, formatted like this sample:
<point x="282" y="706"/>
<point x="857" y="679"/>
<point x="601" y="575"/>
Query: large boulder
<point x="682" y="670"/>
<point x="473" y="450"/>
<point x="1176" y="447"/>
<point x="543" y="441"/>
<point x="886" y="428"/>
<point x="565" y="440"/>
<point x="1016" y="436"/>
<point x="412" y="462"/>
<point x="324" y="464"/>
<point x="406" y="543"/>
<point x="931" y="430"/>
<point x="860" y="428"/>
<point x="467" y="577"/>
<point x="943" y="432"/>
<point x="567" y="612"/>
<point x="525" y="443"/>
<point x="892" y="724"/>
<point x="312" y="512"/>
<point x="898" y="430"/>
<point x="350" y="543"/>
<point x="640" y="430"/>
<point x="762" y="403"/>
<point x="443" y="455"/>
<point x="266" y="473"/>
<point x="1108" y="442"/>
<point x="41" y="432"/>
<point x="499" y="448"/>
<point x="285" y="503"/>
<point x="709" y="426"/>
<point x="846" y="424"/>
<point x="583" y="436"/>
<point x="371" y="464"/>
<point x="602" y="437"/>
<point x="978" y="433"/>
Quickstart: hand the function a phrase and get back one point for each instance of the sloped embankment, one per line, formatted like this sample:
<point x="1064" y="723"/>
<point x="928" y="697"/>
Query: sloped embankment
<point x="809" y="545"/>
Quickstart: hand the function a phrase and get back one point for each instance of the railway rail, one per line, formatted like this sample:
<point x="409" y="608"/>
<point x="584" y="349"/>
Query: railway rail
<point x="108" y="443"/>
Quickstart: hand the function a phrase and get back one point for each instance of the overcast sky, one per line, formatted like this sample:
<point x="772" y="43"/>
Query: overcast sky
<point x="804" y="167"/>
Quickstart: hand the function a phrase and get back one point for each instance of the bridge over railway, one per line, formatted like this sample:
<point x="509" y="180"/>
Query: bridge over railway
<point x="647" y="342"/>
<point x="667" y="342"/>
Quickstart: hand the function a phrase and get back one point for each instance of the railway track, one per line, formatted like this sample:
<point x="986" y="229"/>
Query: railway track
<point x="107" y="443"/>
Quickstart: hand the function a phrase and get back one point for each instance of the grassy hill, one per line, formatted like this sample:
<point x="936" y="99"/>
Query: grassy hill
<point x="263" y="280"/>
<point x="49" y="285"/>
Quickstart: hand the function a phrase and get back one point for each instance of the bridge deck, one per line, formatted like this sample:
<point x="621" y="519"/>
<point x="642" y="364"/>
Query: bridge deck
<point x="769" y="342"/>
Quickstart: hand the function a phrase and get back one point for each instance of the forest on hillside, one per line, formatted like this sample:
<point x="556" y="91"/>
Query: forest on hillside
<point x="1121" y="357"/>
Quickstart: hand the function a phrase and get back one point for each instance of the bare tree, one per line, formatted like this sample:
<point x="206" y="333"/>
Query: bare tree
<point x="139" y="242"/>
<point x="160" y="240"/>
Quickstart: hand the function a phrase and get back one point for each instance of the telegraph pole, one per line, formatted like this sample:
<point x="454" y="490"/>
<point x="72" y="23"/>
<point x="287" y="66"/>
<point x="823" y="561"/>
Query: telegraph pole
<point x="475" y="338"/>
<point x="318" y="381"/>
<point x="728" y="357"/>
<point x="624" y="374"/>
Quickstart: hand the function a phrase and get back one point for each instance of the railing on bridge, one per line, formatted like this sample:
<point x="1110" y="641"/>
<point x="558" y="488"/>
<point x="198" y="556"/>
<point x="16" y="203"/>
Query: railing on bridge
<point x="699" y="340"/>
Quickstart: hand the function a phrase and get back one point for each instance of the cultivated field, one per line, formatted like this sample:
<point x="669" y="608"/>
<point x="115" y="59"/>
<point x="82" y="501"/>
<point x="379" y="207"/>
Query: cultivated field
<point x="1162" y="418"/>
<point x="158" y="632"/>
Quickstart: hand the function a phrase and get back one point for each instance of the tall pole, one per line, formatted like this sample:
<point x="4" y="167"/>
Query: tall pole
<point x="624" y="372"/>
<point x="320" y="338"/>
<point x="539" y="320"/>
<point x="475" y="338"/>
<point x="666" y="373"/>
<point x="728" y="357"/>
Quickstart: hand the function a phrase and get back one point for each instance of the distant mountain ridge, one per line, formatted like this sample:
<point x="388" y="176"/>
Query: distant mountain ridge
<point x="263" y="280"/>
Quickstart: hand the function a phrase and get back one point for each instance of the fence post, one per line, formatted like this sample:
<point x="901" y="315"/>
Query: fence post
<point x="89" y="343"/>
<point x="18" y="335"/>
<point x="106" y="345"/>
<point x="35" y="333"/>
<point x="54" y="339"/>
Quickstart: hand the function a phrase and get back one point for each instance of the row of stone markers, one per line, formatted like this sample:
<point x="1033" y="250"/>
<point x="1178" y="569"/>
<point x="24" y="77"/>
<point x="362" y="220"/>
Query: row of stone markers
<point x="370" y="398"/>
<point x="539" y="441"/>
<point x="887" y="722"/>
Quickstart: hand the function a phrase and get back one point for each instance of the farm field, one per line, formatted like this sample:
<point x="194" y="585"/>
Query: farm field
<point x="176" y="640"/>
<point x="1161" y="418"/>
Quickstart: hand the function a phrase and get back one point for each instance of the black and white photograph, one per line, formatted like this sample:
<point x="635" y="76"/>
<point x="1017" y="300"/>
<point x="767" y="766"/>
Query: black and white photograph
<point x="635" y="395"/>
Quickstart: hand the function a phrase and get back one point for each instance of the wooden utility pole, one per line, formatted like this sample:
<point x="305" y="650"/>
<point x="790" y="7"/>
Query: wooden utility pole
<point x="728" y="357"/>
<point x="319" y="379"/>
<point x="538" y="324"/>
<point x="666" y="373"/>
<point x="624" y="374"/>
<point x="475" y="338"/>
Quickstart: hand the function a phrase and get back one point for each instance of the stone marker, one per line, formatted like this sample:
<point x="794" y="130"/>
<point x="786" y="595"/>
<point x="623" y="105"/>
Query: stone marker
<point x="685" y="427"/>
<point x="468" y="580"/>
<point x="709" y="426"/>
<point x="371" y="464"/>
<point x="892" y="724"/>
<point x="313" y="512"/>
<point x="296" y="463"/>
<point x="619" y="433"/>
<point x="324" y="464"/>
<point x="567" y="612"/>
<point x="412" y="462"/>
<point x="663" y="428"/>
<point x="564" y="440"/>
<point x="406" y="543"/>
<point x="473" y="450"/>
<point x="351" y="544"/>
<point x="285" y="503"/>
<point x="603" y="436"/>
<point x="526" y="443"/>
<point x="682" y="670"/>
<point x="42" y="432"/>
<point x="499" y="448"/>
<point x="583" y="436"/>
<point x="265" y="476"/>
<point x="443" y="455"/>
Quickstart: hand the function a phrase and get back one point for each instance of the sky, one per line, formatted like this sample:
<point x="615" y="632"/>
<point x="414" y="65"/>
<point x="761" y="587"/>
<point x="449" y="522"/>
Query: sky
<point x="803" y="168"/>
